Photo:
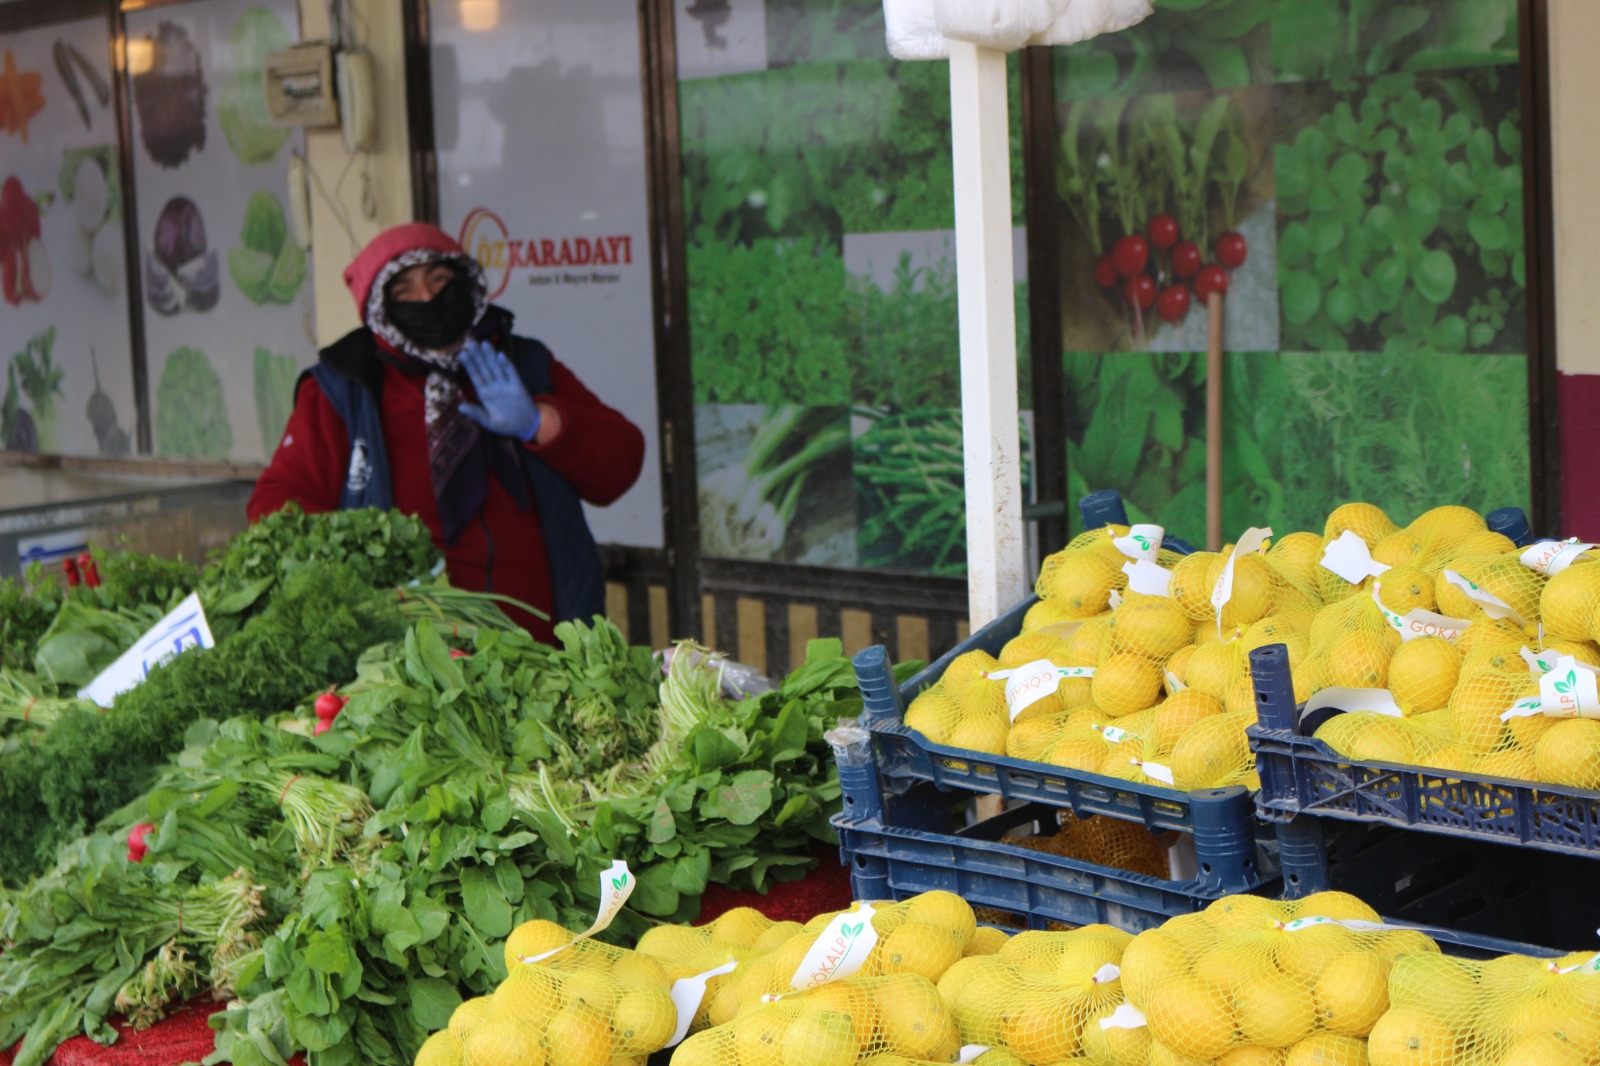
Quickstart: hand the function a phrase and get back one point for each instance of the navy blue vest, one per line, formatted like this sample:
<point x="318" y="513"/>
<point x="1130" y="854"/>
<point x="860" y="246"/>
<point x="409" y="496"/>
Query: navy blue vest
<point x="351" y="377"/>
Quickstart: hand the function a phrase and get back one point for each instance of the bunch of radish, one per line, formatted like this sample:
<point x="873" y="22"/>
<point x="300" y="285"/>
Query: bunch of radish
<point x="1158" y="269"/>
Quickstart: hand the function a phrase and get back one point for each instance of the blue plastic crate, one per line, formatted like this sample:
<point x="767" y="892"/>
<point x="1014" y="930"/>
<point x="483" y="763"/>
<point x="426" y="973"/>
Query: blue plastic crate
<point x="895" y="861"/>
<point x="1476" y="899"/>
<point x="1301" y="775"/>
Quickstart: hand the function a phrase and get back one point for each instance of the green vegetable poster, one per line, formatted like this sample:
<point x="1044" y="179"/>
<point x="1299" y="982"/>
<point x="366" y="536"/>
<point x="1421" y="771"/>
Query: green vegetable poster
<point x="66" y="363"/>
<point x="1357" y="202"/>
<point x="228" y="298"/>
<point x="1351" y="178"/>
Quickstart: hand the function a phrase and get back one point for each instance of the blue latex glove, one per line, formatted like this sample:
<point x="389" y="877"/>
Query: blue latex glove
<point x="503" y="406"/>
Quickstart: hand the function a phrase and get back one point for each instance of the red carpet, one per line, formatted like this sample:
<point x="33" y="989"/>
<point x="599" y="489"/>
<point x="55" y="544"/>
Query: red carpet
<point x="185" y="1037"/>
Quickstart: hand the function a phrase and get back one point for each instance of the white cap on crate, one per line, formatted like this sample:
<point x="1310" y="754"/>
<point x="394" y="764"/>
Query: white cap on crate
<point x="923" y="29"/>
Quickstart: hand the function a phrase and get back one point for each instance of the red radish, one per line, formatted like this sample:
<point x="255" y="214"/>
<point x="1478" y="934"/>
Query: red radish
<point x="1105" y="272"/>
<point x="1173" y="303"/>
<point x="1163" y="231"/>
<point x="1130" y="255"/>
<point x="1232" y="250"/>
<point x="457" y="653"/>
<point x="328" y="706"/>
<point x="70" y="568"/>
<point x="1186" y="260"/>
<point x="91" y="573"/>
<point x="1212" y="279"/>
<point x="137" y="848"/>
<point x="1140" y="291"/>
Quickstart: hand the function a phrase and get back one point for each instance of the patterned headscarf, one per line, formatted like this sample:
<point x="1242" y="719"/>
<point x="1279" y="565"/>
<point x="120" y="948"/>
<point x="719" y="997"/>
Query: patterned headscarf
<point x="459" y="486"/>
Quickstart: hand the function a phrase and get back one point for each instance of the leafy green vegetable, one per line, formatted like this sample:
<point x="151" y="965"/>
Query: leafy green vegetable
<point x="242" y="102"/>
<point x="191" y="415"/>
<point x="1343" y="39"/>
<point x="26" y="610"/>
<point x="1185" y="45"/>
<point x="275" y="377"/>
<point x="1403" y="227"/>
<point x="269" y="266"/>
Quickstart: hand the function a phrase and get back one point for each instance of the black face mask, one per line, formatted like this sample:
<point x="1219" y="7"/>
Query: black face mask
<point x="437" y="323"/>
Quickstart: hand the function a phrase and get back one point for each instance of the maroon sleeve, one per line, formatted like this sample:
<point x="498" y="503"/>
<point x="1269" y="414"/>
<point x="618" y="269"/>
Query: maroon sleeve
<point x="308" y="467"/>
<point x="598" y="450"/>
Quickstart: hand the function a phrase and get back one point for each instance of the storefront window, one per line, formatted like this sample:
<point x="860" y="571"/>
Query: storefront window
<point x="821" y="254"/>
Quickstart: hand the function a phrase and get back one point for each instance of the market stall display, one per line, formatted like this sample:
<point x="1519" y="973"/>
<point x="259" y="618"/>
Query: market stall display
<point x="370" y="777"/>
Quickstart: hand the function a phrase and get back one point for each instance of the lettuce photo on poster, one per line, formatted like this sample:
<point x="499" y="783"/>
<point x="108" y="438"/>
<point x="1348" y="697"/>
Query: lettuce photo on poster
<point x="1405" y="433"/>
<point x="274" y="377"/>
<point x="268" y="266"/>
<point x="1341" y="39"/>
<point x="191" y="415"/>
<point x="242" y="102"/>
<point x="1401" y="214"/>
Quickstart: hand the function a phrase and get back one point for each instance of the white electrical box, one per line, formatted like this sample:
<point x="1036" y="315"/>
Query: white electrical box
<point x="300" y="86"/>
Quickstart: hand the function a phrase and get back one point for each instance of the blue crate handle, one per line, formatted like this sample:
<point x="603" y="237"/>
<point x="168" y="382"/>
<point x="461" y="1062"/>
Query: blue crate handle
<point x="1275" y="703"/>
<point x="1102" y="508"/>
<point x="1511" y="522"/>
<point x="859" y="786"/>
<point x="1224" y="838"/>
<point x="879" y="695"/>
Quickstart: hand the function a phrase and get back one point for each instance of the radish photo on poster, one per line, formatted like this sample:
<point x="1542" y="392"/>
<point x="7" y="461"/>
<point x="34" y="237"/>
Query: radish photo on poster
<point x="1170" y="198"/>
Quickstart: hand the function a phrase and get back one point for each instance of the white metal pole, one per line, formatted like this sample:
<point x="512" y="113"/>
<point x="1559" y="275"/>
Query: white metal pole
<point x="996" y="552"/>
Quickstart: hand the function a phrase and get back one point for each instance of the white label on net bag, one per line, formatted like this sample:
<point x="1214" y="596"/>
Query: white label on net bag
<point x="1154" y="771"/>
<point x="1539" y="662"/>
<point x="616" y="885"/>
<point x="1349" y="557"/>
<point x="687" y="995"/>
<point x="1174" y="686"/>
<point x="1553" y="556"/>
<point x="1115" y="599"/>
<point x="1107" y="973"/>
<point x="1570" y="690"/>
<point x="1148" y="579"/>
<point x="1126" y="1016"/>
<point x="1492" y="605"/>
<point x="1356" y="924"/>
<point x="1420" y="623"/>
<point x="1250" y="543"/>
<point x="1587" y="966"/>
<point x="840" y="949"/>
<point x="1142" y="542"/>
<point x="1376" y="700"/>
<point x="1032" y="682"/>
<point x="1115" y="734"/>
<point x="971" y="1053"/>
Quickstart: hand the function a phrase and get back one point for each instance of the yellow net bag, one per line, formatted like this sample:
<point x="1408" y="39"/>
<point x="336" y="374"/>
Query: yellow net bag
<point x="1103" y="840"/>
<point x="1256" y="980"/>
<point x="924" y="935"/>
<point x="857" y="1020"/>
<point x="590" y="1004"/>
<point x="1040" y="996"/>
<point x="1508" y="1011"/>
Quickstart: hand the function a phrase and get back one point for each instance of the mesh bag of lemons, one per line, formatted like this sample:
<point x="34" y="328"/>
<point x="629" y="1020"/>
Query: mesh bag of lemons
<point x="1508" y="1011"/>
<point x="1500" y="691"/>
<point x="1253" y="980"/>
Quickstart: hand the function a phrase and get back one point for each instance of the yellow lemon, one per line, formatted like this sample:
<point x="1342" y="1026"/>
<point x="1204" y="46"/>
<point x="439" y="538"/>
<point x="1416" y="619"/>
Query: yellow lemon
<point x="441" y="1049"/>
<point x="1352" y="993"/>
<point x="1190" y="1016"/>
<point x="1423" y="673"/>
<point x="1411" y="1036"/>
<point x="944" y="910"/>
<point x="471" y="1013"/>
<point x="820" y="1038"/>
<point x="1569" y="754"/>
<point x="914" y="1021"/>
<point x="1273" y="1012"/>
<point x="508" y="1042"/>
<point x="1126" y="683"/>
<point x="1339" y="905"/>
<point x="1367" y="521"/>
<point x="1151" y="626"/>
<point x="987" y="940"/>
<point x="534" y="938"/>
<point x="919" y="948"/>
<point x="1567" y="604"/>
<point x="1327" y="1049"/>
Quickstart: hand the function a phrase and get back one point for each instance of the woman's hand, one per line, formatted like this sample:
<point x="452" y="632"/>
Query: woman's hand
<point x="503" y="406"/>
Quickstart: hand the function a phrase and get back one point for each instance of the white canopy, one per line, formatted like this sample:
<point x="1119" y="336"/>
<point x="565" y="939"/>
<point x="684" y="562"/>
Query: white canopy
<point x="976" y="35"/>
<point x="923" y="29"/>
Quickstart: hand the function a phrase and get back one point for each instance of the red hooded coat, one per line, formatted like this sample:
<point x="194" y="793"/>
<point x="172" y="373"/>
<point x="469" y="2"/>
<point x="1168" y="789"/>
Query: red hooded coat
<point x="597" y="450"/>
